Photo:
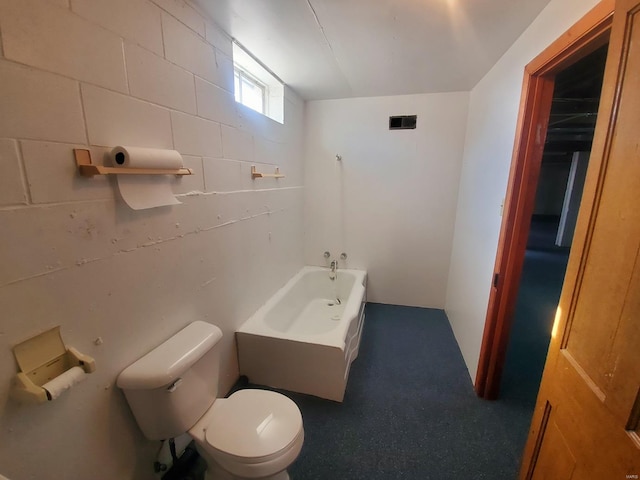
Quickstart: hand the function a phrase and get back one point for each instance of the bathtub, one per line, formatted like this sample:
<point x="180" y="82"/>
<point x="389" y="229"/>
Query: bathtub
<point x="304" y="338"/>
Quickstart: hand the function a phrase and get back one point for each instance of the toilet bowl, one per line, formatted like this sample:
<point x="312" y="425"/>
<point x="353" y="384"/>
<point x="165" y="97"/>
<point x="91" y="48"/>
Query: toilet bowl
<point x="251" y="434"/>
<point x="173" y="389"/>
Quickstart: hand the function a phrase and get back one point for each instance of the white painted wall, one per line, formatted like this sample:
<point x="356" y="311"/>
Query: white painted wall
<point x="390" y="203"/>
<point x="157" y="74"/>
<point x="493" y="111"/>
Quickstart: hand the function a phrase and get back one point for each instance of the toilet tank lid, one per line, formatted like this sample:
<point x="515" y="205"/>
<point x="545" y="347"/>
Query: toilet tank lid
<point x="168" y="361"/>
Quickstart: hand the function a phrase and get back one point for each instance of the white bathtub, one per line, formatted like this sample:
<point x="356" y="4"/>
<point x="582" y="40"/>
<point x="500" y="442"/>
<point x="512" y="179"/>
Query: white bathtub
<point x="306" y="336"/>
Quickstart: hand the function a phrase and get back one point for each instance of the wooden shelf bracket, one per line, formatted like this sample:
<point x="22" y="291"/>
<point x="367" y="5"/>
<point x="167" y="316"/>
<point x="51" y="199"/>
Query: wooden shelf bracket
<point x="255" y="174"/>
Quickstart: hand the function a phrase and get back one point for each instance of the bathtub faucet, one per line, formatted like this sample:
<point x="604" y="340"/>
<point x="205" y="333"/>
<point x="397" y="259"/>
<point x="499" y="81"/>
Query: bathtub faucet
<point x="334" y="269"/>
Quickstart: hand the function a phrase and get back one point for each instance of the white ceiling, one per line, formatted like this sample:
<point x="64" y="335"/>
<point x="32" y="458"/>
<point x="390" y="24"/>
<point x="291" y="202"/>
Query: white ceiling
<point x="357" y="48"/>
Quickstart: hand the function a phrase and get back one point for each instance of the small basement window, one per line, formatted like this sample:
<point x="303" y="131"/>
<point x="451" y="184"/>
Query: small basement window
<point x="257" y="87"/>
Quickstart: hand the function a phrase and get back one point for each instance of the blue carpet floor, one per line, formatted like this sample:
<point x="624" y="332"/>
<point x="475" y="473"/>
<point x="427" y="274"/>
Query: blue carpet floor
<point x="409" y="412"/>
<point x="540" y="286"/>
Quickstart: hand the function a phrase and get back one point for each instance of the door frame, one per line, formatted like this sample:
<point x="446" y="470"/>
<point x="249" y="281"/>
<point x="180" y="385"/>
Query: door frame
<point x="587" y="35"/>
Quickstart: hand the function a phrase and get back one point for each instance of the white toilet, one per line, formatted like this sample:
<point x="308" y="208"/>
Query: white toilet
<point x="173" y="389"/>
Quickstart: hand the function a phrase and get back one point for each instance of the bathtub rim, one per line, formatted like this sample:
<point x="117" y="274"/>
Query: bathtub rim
<point x="256" y="325"/>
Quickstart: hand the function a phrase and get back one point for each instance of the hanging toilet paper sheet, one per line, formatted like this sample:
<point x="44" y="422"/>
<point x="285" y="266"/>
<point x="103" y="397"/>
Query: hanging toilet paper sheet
<point x="146" y="191"/>
<point x="64" y="382"/>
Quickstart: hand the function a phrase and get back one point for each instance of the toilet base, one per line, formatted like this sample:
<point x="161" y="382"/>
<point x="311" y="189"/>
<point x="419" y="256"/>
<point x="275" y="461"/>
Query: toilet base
<point x="215" y="472"/>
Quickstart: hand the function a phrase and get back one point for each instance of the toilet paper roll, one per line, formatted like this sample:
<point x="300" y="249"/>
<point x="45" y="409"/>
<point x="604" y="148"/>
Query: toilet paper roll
<point x="139" y="157"/>
<point x="64" y="382"/>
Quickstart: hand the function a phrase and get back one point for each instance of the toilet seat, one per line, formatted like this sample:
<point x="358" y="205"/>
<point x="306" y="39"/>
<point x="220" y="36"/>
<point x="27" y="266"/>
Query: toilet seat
<point x="254" y="433"/>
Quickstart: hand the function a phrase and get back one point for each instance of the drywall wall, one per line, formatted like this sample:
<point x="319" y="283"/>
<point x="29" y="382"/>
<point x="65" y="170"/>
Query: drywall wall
<point x="99" y="73"/>
<point x="493" y="111"/>
<point x="390" y="203"/>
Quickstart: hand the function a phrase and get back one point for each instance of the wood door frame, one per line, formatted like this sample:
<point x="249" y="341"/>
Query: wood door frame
<point x="587" y="35"/>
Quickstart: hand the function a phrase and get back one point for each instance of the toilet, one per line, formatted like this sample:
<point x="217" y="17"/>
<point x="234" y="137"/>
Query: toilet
<point x="173" y="390"/>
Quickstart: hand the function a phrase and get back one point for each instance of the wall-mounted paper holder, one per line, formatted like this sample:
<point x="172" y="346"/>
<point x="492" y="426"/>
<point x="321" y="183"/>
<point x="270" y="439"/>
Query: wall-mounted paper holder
<point x="256" y="174"/>
<point x="42" y="359"/>
<point x="88" y="169"/>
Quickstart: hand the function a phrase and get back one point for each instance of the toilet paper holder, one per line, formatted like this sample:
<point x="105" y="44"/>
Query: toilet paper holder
<point x="41" y="359"/>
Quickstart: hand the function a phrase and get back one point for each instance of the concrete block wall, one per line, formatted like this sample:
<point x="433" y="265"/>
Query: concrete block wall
<point x="100" y="73"/>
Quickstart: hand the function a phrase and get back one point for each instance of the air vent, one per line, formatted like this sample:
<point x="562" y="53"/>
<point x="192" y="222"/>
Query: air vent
<point x="402" y="122"/>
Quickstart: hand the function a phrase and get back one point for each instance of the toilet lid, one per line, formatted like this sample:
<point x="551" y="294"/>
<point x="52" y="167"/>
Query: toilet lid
<point x="253" y="423"/>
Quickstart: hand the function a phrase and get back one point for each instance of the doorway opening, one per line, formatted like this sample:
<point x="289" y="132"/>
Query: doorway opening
<point x="585" y="37"/>
<point x="565" y="157"/>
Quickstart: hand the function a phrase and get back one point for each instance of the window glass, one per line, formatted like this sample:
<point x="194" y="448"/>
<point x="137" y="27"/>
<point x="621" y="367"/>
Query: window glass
<point x="249" y="91"/>
<point x="257" y="87"/>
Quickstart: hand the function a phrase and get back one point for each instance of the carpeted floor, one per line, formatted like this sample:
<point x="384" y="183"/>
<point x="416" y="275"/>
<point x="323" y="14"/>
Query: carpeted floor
<point x="538" y="295"/>
<point x="540" y="286"/>
<point x="409" y="411"/>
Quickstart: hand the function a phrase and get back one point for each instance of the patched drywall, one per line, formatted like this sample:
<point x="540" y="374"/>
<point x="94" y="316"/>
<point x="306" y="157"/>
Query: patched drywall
<point x="390" y="202"/>
<point x="119" y="282"/>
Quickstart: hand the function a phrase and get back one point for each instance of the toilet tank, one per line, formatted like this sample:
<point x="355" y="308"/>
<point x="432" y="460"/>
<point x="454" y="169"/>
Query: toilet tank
<point x="174" y="384"/>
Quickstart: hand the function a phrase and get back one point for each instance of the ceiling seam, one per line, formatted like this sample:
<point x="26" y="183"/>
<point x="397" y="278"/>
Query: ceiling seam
<point x="315" y="16"/>
<point x="324" y="35"/>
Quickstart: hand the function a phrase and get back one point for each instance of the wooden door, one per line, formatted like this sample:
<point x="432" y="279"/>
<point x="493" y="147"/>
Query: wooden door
<point x="586" y="421"/>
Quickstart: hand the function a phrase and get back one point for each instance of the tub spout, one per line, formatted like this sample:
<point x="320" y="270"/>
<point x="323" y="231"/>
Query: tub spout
<point x="334" y="269"/>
